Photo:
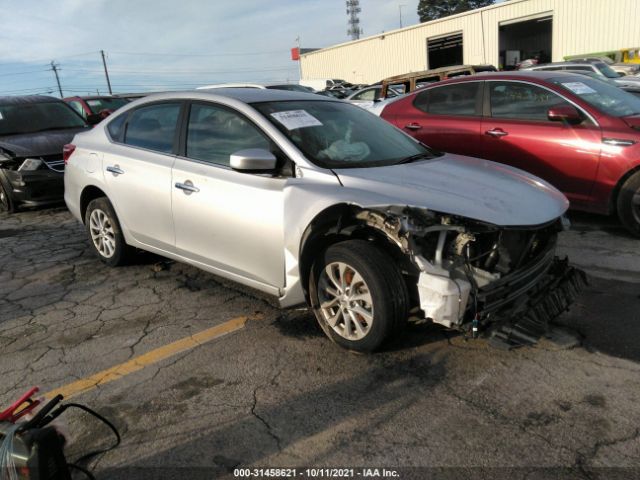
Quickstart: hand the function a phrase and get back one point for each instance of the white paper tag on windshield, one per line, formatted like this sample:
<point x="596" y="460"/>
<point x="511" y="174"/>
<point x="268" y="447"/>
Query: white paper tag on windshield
<point x="293" y="119"/>
<point x="1" y="117"/>
<point x="579" y="88"/>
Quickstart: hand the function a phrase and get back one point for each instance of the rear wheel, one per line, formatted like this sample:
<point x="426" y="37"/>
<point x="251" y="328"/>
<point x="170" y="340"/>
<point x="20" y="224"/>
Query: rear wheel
<point x="105" y="233"/>
<point x="359" y="295"/>
<point x="6" y="204"/>
<point x="629" y="204"/>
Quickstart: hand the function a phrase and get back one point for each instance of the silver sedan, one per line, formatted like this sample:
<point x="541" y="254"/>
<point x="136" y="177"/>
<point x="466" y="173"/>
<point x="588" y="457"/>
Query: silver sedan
<point x="316" y="201"/>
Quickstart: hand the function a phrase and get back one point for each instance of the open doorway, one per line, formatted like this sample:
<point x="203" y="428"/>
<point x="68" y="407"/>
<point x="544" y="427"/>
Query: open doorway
<point x="523" y="40"/>
<point x="444" y="51"/>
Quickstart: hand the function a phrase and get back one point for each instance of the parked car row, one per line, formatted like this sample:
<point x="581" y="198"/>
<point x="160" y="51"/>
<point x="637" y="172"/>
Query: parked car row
<point x="317" y="201"/>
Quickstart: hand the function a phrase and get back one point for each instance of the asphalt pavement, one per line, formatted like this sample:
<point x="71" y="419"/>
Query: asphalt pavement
<point x="273" y="392"/>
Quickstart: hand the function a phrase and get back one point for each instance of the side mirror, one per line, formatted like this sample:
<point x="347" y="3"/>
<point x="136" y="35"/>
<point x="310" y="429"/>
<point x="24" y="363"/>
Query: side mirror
<point x="253" y="159"/>
<point x="564" y="113"/>
<point x="94" y="118"/>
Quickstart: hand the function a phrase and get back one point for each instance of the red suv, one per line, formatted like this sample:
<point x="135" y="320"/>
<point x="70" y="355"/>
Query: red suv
<point x="580" y="134"/>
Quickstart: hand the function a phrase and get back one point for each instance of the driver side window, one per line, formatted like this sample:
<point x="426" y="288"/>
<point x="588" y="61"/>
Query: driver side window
<point x="214" y="133"/>
<point x="522" y="101"/>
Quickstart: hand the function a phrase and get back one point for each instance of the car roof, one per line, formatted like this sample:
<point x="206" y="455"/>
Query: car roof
<point x="91" y="97"/>
<point x="245" y="95"/>
<point x="569" y="63"/>
<point x="25" y="99"/>
<point x="515" y="75"/>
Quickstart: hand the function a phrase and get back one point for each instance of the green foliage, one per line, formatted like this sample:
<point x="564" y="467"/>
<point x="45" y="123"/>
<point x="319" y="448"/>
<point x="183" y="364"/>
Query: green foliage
<point x="432" y="9"/>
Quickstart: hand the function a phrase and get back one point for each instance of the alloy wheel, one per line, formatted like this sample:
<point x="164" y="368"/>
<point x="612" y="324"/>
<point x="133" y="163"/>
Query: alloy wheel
<point x="102" y="233"/>
<point x="345" y="301"/>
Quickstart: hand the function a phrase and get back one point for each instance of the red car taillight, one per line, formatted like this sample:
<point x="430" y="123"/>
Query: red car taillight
<point x="67" y="150"/>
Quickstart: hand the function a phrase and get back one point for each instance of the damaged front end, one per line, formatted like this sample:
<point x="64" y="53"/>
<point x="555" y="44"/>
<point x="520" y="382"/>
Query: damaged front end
<point x="33" y="180"/>
<point x="504" y="281"/>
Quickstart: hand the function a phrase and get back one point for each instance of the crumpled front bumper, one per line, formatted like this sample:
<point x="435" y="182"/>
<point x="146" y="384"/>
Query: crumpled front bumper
<point x="532" y="314"/>
<point x="36" y="187"/>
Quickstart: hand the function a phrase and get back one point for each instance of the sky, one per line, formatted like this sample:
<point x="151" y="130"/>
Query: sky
<point x="171" y="44"/>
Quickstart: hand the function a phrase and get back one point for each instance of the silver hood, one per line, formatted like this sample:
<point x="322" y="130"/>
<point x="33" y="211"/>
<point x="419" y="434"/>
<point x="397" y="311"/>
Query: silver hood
<point x="468" y="187"/>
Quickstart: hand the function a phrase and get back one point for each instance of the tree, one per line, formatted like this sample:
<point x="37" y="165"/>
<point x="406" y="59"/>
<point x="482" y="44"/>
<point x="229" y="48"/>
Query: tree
<point x="433" y="9"/>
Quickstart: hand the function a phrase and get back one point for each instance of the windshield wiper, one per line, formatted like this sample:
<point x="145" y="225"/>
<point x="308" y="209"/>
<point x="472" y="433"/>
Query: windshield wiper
<point x="413" y="158"/>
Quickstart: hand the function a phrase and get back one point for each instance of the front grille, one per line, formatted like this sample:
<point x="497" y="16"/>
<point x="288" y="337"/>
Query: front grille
<point x="504" y="291"/>
<point x="54" y="162"/>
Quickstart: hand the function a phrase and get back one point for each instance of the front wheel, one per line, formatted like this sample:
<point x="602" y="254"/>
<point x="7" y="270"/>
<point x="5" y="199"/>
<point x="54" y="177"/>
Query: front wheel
<point x="6" y="203"/>
<point x="629" y="204"/>
<point x="105" y="233"/>
<point x="359" y="295"/>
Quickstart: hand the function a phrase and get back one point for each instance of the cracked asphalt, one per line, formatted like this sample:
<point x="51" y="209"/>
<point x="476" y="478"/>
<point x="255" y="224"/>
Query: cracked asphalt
<point x="278" y="394"/>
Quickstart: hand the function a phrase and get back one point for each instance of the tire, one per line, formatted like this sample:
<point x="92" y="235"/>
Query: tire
<point x="629" y="204"/>
<point x="105" y="234"/>
<point x="6" y="202"/>
<point x="375" y="303"/>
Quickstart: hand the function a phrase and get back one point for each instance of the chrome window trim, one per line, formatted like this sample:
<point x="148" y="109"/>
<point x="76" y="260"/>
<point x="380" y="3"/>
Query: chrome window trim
<point x="545" y="88"/>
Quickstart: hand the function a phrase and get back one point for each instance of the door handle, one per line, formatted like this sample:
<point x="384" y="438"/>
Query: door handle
<point x="496" y="132"/>
<point x="413" y="126"/>
<point x="187" y="187"/>
<point x="116" y="170"/>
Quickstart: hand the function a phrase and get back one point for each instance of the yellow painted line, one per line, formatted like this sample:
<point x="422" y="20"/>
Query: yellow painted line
<point x="154" y="356"/>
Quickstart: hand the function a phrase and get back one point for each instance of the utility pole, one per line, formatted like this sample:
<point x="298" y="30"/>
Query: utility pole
<point x="353" y="9"/>
<point x="54" y="67"/>
<point x="400" y="10"/>
<point x="299" y="59"/>
<point x="106" y="73"/>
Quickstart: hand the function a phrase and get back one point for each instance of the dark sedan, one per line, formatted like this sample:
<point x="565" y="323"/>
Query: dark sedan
<point x="33" y="132"/>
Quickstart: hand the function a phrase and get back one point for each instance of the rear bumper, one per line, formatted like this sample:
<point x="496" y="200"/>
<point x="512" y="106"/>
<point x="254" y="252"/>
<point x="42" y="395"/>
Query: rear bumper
<point x="35" y="188"/>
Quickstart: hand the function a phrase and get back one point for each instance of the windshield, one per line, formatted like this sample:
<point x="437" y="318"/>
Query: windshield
<point x="606" y="70"/>
<point x="98" y="104"/>
<point x="606" y="98"/>
<point x="340" y="135"/>
<point x="36" y="117"/>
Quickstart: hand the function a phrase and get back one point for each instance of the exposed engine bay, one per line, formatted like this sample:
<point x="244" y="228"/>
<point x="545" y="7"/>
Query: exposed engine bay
<point x="472" y="276"/>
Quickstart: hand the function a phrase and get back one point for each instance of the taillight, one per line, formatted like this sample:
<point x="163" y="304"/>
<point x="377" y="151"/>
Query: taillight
<point x="67" y="150"/>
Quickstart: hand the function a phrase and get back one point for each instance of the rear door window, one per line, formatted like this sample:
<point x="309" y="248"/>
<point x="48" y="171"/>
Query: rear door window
<point x="460" y="99"/>
<point x="214" y="133"/>
<point x="153" y="127"/>
<point x="522" y="101"/>
<point x="370" y="94"/>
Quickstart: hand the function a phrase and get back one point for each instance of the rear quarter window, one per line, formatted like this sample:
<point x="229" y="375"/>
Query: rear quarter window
<point x="460" y="99"/>
<point x="153" y="127"/>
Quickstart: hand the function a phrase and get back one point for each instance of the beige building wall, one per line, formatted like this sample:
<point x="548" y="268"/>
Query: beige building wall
<point x="579" y="26"/>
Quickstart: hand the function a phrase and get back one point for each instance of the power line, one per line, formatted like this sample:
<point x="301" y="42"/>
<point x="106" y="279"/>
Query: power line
<point x="22" y="73"/>
<point x="166" y="54"/>
<point x="47" y="60"/>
